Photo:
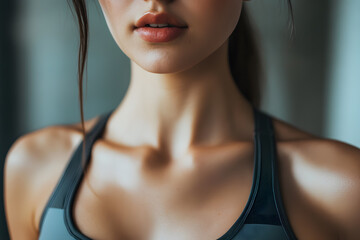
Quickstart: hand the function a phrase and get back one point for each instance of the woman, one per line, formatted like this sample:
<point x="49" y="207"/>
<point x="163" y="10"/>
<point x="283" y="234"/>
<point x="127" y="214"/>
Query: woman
<point x="187" y="154"/>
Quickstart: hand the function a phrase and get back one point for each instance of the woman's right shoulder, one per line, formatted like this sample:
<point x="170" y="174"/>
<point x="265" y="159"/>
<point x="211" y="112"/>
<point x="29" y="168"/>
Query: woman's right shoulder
<point x="33" y="165"/>
<point x="36" y="147"/>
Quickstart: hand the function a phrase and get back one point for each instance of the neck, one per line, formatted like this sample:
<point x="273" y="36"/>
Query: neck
<point x="174" y="112"/>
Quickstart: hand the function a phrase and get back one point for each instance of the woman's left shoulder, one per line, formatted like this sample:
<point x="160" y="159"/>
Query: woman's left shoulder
<point x="327" y="171"/>
<point x="315" y="149"/>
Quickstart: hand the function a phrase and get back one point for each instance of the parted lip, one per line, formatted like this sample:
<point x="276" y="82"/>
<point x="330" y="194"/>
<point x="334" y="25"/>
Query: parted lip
<point x="158" y="18"/>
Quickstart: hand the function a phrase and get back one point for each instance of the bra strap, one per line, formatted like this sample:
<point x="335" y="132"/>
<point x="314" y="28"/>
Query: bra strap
<point x="78" y="171"/>
<point x="263" y="210"/>
<point x="73" y="168"/>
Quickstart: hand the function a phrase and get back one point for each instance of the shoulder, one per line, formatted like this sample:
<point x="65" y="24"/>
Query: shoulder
<point x="32" y="167"/>
<point x="32" y="147"/>
<point x="325" y="171"/>
<point x="297" y="144"/>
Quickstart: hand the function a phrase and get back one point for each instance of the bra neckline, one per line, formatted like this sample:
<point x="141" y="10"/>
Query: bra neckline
<point x="97" y="132"/>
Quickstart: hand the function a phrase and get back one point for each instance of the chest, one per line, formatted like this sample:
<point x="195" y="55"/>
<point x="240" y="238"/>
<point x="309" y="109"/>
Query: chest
<point x="126" y="199"/>
<point x="180" y="201"/>
<point x="181" y="204"/>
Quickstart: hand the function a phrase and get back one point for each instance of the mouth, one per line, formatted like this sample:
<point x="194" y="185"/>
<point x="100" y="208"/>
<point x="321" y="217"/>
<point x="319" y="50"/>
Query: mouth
<point x="159" y="20"/>
<point x="159" y="27"/>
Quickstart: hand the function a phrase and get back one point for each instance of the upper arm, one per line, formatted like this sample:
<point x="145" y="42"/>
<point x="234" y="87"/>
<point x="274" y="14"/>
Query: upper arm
<point x="348" y="204"/>
<point x="327" y="175"/>
<point x="17" y="186"/>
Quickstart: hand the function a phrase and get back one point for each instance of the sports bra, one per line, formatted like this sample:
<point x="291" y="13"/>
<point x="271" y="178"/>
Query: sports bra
<point x="263" y="217"/>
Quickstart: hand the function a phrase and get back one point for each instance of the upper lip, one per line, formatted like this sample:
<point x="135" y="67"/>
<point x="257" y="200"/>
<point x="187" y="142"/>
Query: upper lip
<point x="158" y="18"/>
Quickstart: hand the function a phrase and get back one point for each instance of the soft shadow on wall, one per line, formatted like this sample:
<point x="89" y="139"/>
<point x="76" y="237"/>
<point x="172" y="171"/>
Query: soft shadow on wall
<point x="312" y="81"/>
<point x="8" y="94"/>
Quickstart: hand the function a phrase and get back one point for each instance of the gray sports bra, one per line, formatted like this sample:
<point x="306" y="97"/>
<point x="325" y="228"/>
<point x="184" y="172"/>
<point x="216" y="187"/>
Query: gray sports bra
<point x="263" y="217"/>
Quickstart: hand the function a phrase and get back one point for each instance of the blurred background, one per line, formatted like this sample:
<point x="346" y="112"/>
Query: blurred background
<point x="312" y="82"/>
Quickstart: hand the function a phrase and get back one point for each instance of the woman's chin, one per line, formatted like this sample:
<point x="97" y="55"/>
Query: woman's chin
<point x="163" y="67"/>
<point x="160" y="70"/>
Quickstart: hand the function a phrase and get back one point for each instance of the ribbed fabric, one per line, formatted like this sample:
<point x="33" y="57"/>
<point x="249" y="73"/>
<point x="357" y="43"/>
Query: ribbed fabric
<point x="263" y="217"/>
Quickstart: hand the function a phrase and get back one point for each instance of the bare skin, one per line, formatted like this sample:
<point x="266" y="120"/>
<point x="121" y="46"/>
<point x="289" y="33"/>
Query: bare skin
<point x="177" y="154"/>
<point x="164" y="196"/>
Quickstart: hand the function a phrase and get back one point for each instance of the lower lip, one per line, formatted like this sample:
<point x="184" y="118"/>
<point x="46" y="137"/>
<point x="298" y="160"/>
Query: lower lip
<point x="165" y="34"/>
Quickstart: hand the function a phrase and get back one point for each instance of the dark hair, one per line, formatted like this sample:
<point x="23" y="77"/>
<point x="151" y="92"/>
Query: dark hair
<point x="243" y="58"/>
